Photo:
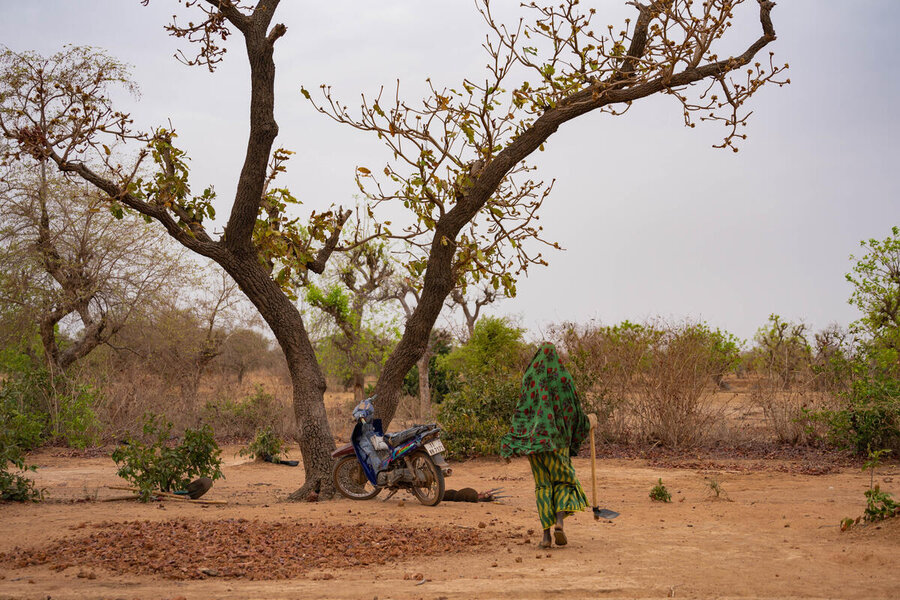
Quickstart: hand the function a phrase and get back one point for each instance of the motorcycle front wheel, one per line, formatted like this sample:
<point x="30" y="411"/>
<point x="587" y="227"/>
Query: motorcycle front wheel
<point x="432" y="492"/>
<point x="351" y="481"/>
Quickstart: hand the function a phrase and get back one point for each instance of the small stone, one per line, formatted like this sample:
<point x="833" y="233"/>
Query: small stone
<point x="518" y="559"/>
<point x="482" y="525"/>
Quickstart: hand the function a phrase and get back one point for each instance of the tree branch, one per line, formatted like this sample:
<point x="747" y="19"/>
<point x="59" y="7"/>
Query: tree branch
<point x="318" y="265"/>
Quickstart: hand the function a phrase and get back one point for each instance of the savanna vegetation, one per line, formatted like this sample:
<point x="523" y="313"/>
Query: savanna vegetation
<point x="117" y="300"/>
<point x="458" y="166"/>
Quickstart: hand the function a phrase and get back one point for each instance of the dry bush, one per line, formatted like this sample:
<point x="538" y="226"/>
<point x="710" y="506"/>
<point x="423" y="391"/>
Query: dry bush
<point x="674" y="400"/>
<point x="409" y="413"/>
<point x="241" y="415"/>
<point x="339" y="409"/>
<point x="786" y="407"/>
<point x="792" y="380"/>
<point x="652" y="381"/>
<point x="604" y="361"/>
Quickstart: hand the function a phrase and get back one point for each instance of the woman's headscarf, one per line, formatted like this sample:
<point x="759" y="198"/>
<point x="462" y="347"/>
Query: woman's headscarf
<point x="549" y="415"/>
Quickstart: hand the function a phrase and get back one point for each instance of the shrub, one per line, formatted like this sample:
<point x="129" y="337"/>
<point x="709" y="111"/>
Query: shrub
<point x="659" y="493"/>
<point x="265" y="446"/>
<point x="655" y="376"/>
<point x="76" y="423"/>
<point x="14" y="485"/>
<point x="25" y="429"/>
<point x="879" y="505"/>
<point x="486" y="373"/>
<point x="869" y="418"/>
<point x="150" y="464"/>
<point x="243" y="418"/>
<point x="673" y="400"/>
<point x="475" y="418"/>
<point x="49" y="409"/>
<point x="604" y="361"/>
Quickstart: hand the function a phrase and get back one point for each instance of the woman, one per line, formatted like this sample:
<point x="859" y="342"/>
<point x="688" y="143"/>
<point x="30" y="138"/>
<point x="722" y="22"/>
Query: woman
<point x="549" y="426"/>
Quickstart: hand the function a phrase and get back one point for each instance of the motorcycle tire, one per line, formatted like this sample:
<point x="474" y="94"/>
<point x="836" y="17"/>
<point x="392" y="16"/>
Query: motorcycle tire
<point x="433" y="492"/>
<point x="350" y="480"/>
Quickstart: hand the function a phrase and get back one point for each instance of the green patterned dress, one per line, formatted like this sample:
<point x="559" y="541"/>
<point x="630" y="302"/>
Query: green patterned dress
<point x="549" y="426"/>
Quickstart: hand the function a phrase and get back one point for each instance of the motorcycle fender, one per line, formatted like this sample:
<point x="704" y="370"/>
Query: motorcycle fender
<point x="342" y="451"/>
<point x="442" y="464"/>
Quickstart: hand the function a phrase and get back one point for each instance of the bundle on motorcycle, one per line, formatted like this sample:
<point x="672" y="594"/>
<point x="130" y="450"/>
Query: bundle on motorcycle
<point x="411" y="459"/>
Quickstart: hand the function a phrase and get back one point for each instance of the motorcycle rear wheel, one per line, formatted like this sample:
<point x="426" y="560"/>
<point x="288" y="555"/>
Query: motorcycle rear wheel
<point x="350" y="480"/>
<point x="432" y="492"/>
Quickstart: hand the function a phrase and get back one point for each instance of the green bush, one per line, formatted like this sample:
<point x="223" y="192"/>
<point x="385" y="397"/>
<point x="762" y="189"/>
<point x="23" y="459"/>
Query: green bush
<point x="879" y="505"/>
<point x="25" y="429"/>
<point x="150" y="464"/>
<point x="474" y="420"/>
<point x="76" y="424"/>
<point x="486" y="374"/>
<point x="49" y="410"/>
<point x="264" y="445"/>
<point x="14" y="485"/>
<point x="870" y="417"/>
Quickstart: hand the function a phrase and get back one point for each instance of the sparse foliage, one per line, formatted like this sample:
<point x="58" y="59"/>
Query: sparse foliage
<point x="716" y="489"/>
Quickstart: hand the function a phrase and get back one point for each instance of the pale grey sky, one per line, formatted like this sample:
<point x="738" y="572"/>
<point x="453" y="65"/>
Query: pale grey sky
<point x="655" y="221"/>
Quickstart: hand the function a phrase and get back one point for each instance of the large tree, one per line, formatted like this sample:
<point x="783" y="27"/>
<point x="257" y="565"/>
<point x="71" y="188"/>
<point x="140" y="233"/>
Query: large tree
<point x="459" y="166"/>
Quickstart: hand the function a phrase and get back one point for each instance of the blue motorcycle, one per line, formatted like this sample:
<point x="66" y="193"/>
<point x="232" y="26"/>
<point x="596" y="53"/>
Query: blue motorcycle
<point x="411" y="459"/>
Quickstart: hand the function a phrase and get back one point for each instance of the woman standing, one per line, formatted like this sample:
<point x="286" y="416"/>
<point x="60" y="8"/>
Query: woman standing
<point x="549" y="426"/>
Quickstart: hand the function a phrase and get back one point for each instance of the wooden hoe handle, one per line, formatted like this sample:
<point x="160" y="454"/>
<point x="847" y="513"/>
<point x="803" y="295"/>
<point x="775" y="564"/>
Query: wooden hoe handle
<point x="593" y="463"/>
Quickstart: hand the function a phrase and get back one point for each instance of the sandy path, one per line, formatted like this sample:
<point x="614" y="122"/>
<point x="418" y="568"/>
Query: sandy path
<point x="777" y="538"/>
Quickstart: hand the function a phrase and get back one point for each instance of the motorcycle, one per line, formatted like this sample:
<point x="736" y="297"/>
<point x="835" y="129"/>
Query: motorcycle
<point x="411" y="459"/>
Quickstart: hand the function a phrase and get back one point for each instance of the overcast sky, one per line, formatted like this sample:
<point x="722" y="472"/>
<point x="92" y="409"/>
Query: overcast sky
<point x="654" y="220"/>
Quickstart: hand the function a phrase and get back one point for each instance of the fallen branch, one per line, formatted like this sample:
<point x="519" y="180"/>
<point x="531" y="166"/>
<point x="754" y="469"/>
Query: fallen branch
<point x="167" y="495"/>
<point x="115" y="498"/>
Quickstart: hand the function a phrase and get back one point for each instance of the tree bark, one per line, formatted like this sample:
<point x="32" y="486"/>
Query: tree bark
<point x="424" y="385"/>
<point x="308" y="383"/>
<point x="359" y="385"/>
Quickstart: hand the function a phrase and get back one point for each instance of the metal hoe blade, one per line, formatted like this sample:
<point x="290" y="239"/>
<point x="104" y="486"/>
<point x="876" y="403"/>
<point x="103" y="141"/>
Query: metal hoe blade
<point x="604" y="513"/>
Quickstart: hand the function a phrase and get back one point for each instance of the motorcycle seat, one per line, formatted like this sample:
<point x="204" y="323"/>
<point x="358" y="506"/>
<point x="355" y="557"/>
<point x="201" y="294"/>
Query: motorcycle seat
<point x="395" y="439"/>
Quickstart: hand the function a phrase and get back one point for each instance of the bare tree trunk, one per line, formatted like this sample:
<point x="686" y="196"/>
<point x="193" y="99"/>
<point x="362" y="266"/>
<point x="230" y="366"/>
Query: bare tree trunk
<point x="424" y="385"/>
<point x="314" y="433"/>
<point x="359" y="386"/>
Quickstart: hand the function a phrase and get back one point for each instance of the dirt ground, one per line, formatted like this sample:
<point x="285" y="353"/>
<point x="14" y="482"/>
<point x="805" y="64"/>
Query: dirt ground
<point x="776" y="537"/>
